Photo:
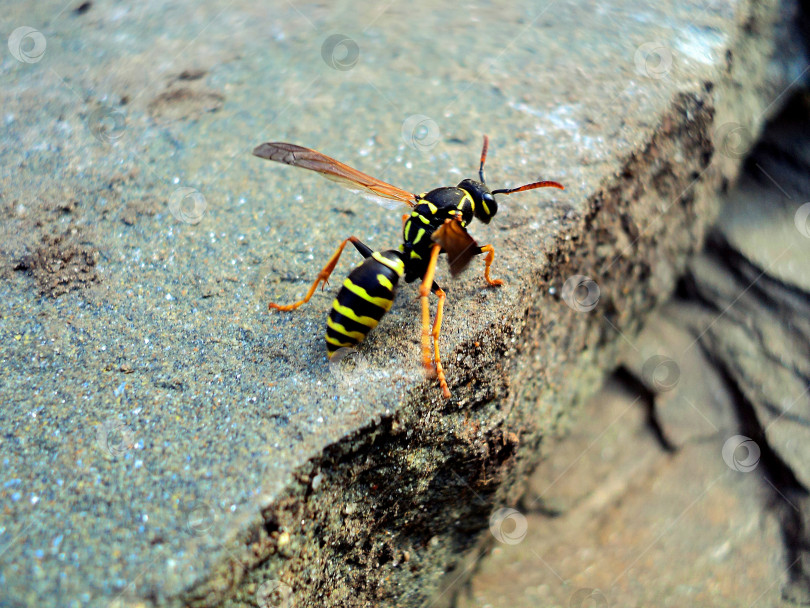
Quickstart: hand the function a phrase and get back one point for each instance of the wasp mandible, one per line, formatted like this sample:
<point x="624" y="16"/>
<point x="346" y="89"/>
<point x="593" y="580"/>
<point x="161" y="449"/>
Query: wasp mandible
<point x="437" y="224"/>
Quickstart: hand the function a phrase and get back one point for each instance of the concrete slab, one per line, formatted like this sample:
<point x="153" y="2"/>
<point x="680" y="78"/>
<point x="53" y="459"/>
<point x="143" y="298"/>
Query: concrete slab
<point x="166" y="440"/>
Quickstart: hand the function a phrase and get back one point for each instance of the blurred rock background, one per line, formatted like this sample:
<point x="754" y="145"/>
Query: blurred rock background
<point x="686" y="483"/>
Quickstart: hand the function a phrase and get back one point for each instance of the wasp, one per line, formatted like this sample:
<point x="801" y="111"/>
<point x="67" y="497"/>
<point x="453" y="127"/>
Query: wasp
<point x="437" y="223"/>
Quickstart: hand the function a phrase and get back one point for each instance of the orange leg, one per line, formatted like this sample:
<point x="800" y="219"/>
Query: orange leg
<point x="424" y="292"/>
<point x="437" y="328"/>
<point x="323" y="276"/>
<point x="490" y="251"/>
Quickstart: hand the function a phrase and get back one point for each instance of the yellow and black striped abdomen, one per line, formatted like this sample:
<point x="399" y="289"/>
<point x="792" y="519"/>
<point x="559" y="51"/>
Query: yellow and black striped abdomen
<point x="367" y="294"/>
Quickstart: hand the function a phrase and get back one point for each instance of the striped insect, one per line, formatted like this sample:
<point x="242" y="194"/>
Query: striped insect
<point x="437" y="223"/>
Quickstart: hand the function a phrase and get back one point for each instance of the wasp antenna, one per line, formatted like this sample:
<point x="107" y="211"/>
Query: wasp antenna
<point x="483" y="158"/>
<point x="546" y="184"/>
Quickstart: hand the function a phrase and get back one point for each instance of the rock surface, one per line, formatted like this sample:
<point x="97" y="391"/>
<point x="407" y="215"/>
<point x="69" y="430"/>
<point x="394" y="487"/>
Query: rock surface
<point x="166" y="441"/>
<point x="690" y="486"/>
<point x="752" y="319"/>
<point x="612" y="519"/>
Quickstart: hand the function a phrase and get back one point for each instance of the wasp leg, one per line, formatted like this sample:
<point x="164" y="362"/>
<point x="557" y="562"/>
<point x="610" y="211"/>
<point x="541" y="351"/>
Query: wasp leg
<point x="490" y="251"/>
<point x="323" y="275"/>
<point x="432" y="366"/>
<point x="437" y="328"/>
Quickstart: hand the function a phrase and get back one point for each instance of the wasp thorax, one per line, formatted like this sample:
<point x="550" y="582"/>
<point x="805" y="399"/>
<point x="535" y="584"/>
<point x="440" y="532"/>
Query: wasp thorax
<point x="485" y="204"/>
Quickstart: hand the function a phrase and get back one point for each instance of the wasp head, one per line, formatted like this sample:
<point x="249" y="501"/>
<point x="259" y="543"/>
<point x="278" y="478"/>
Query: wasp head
<point x="485" y="206"/>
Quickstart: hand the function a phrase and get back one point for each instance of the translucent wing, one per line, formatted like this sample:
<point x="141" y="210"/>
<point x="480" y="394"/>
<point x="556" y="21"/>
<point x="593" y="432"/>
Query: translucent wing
<point x="370" y="187"/>
<point x="459" y="245"/>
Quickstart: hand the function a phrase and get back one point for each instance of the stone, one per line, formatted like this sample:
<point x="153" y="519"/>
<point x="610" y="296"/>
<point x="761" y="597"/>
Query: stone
<point x="161" y="427"/>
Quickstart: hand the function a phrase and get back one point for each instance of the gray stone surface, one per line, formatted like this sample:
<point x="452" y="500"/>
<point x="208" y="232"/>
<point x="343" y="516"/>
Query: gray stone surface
<point x="165" y="440"/>
<point x="750" y="317"/>
<point x="705" y="502"/>
<point x="611" y="519"/>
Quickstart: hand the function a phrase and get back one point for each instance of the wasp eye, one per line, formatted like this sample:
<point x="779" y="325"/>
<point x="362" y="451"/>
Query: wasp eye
<point x="488" y="207"/>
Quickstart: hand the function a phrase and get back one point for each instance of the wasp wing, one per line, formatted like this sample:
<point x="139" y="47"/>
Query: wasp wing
<point x="356" y="181"/>
<point x="459" y="245"/>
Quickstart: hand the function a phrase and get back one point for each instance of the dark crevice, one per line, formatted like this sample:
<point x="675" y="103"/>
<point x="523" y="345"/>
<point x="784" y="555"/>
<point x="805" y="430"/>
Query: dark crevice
<point x="787" y="496"/>
<point x="750" y="274"/>
<point x="687" y="290"/>
<point x="634" y="385"/>
<point x="82" y="8"/>
<point x="533" y="504"/>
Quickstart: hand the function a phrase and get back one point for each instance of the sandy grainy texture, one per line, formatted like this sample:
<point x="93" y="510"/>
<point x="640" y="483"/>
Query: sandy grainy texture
<point x="166" y="440"/>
